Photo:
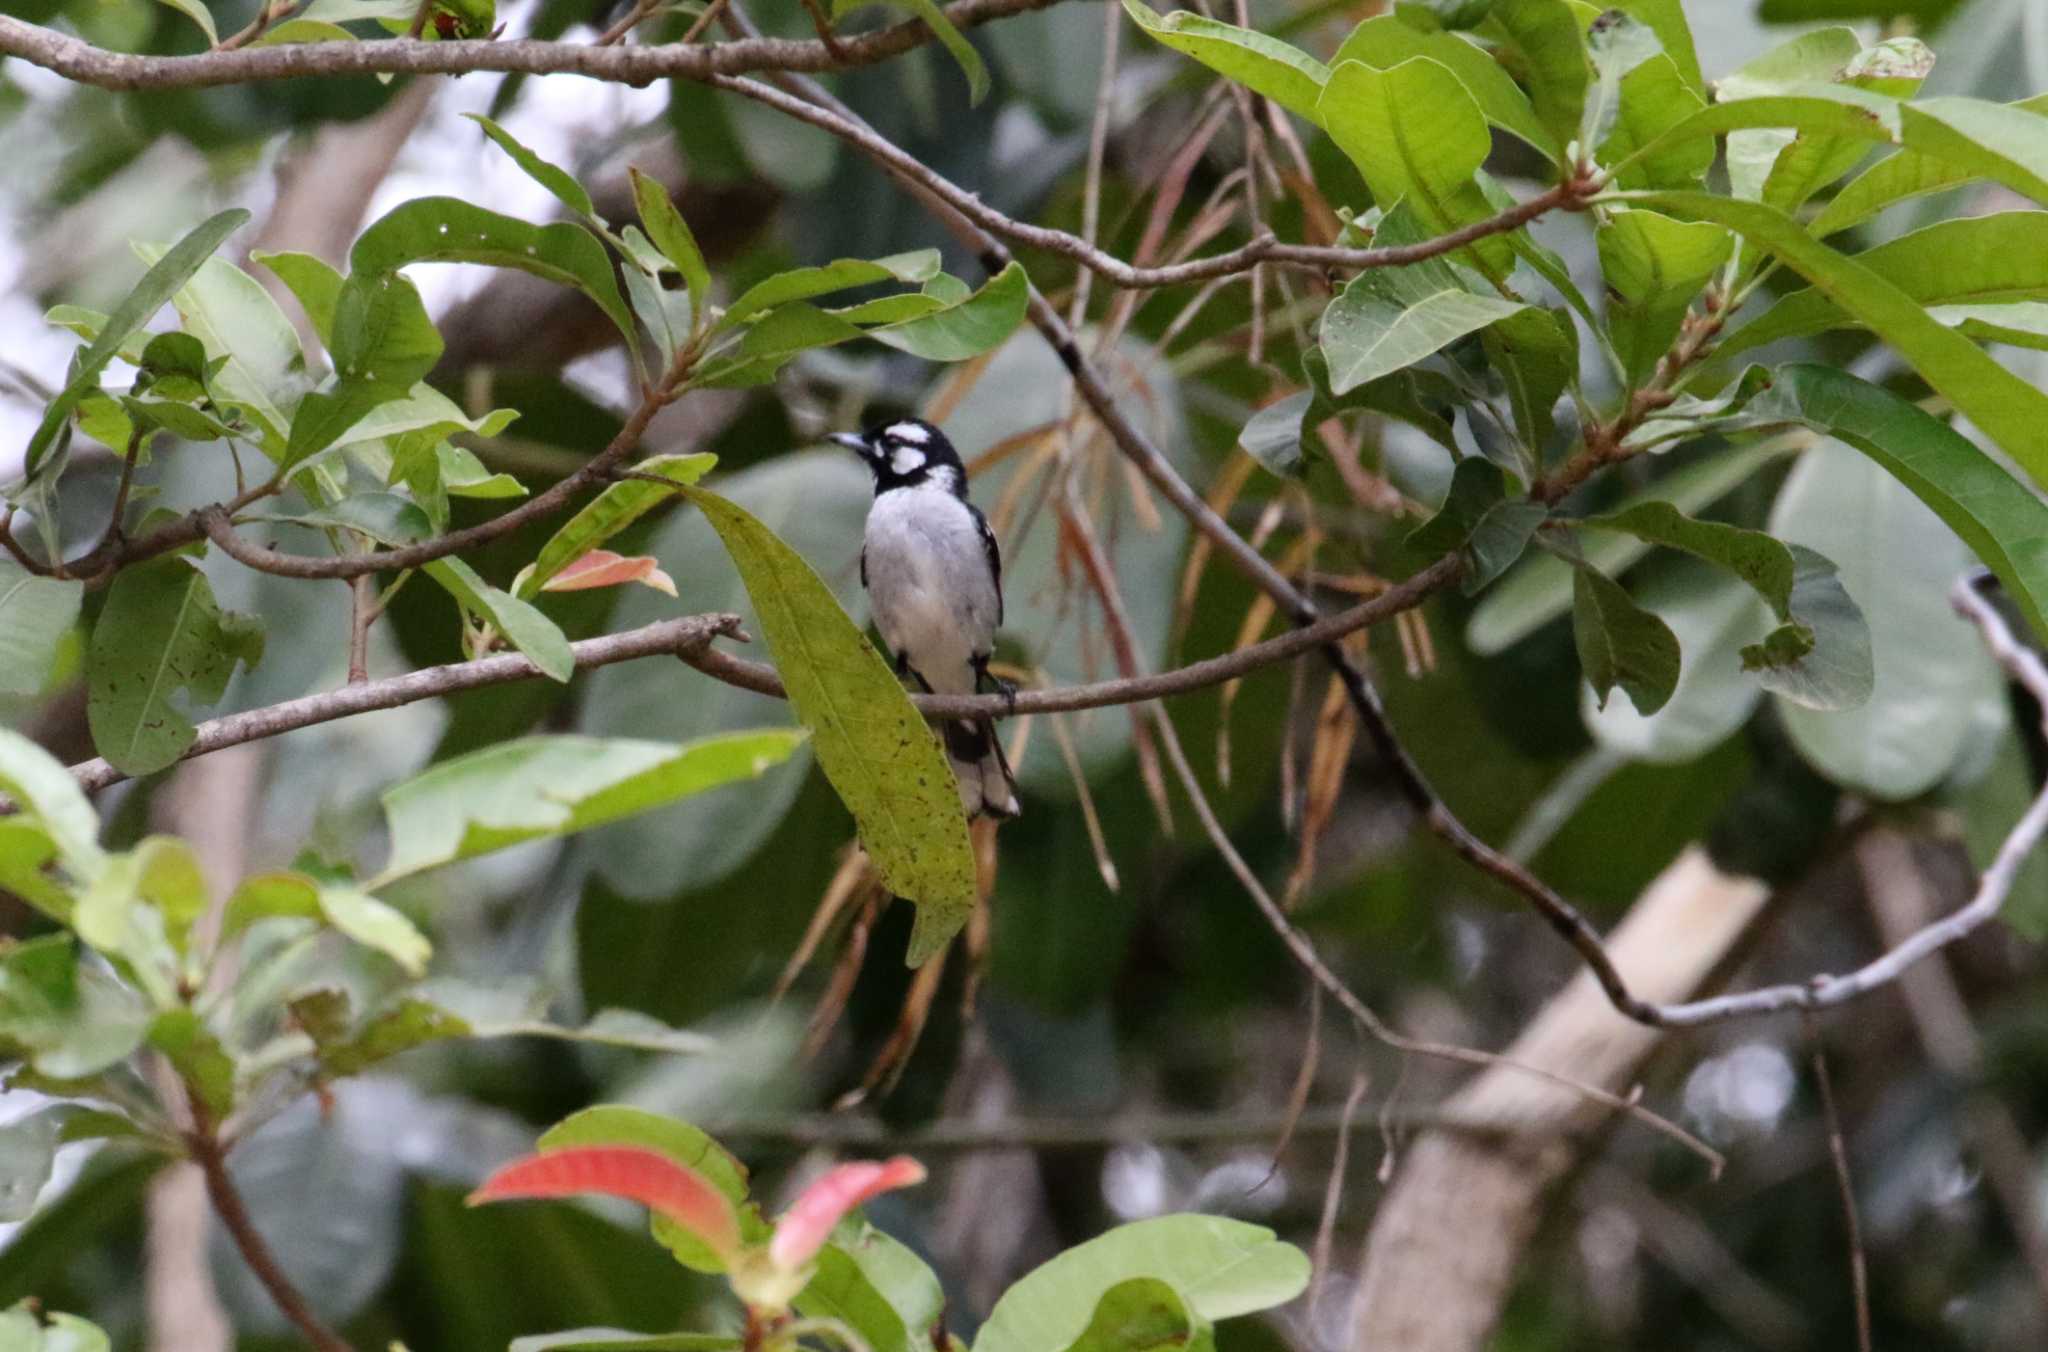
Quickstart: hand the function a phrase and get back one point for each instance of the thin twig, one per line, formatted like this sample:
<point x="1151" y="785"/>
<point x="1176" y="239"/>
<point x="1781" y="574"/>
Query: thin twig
<point x="1859" y="1268"/>
<point x="362" y="614"/>
<point x="272" y="12"/>
<point x="418" y="27"/>
<point x="204" y="1146"/>
<point x="632" y="19"/>
<point x="1098" y="144"/>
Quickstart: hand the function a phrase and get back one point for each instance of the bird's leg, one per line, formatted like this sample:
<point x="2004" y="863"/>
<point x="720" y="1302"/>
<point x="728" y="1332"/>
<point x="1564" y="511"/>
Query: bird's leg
<point x="986" y="680"/>
<point x="905" y="671"/>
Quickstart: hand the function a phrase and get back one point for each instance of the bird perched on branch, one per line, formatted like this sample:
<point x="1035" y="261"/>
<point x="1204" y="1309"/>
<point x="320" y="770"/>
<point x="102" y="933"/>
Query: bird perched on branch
<point x="934" y="578"/>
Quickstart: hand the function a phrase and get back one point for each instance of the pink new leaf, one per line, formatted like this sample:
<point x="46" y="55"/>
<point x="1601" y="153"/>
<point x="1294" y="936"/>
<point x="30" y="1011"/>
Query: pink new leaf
<point x="802" y="1230"/>
<point x="602" y="568"/>
<point x="644" y="1176"/>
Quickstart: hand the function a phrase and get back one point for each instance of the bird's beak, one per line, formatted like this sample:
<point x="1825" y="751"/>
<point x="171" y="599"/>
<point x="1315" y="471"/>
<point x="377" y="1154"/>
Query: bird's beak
<point x="852" y="441"/>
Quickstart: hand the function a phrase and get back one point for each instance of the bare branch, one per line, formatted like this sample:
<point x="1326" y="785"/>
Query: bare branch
<point x="690" y="639"/>
<point x="1859" y="1268"/>
<point x="621" y="63"/>
<point x="667" y="636"/>
<point x="1824" y="991"/>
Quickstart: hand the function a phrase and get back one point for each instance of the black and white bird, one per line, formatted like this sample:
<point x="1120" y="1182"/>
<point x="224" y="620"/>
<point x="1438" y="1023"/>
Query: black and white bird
<point x="934" y="577"/>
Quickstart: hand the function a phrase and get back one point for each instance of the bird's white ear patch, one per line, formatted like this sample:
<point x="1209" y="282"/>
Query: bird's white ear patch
<point x="905" y="459"/>
<point x="907" y="431"/>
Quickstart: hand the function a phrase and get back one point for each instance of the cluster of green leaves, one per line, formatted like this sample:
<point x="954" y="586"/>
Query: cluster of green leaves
<point x="254" y="1007"/>
<point x="1479" y="349"/>
<point x="362" y="453"/>
<point x="1154" y="1283"/>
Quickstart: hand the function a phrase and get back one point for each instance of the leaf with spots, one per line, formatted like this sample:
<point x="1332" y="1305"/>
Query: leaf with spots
<point x="875" y="748"/>
<point x="161" y="633"/>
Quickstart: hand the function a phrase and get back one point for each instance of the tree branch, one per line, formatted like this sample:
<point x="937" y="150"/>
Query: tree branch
<point x="841" y="122"/>
<point x="690" y="639"/>
<point x="623" y="63"/>
<point x="1824" y="991"/>
<point x="203" y="1143"/>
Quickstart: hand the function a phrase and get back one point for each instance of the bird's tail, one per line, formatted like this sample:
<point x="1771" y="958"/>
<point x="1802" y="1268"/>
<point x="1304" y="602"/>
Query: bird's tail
<point x="987" y="788"/>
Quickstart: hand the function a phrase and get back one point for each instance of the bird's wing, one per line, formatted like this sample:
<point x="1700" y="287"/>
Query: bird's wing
<point x="863" y="567"/>
<point x="994" y="552"/>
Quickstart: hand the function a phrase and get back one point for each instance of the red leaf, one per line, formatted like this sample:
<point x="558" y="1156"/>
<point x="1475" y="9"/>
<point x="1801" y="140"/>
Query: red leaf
<point x="602" y="568"/>
<point x="644" y="1176"/>
<point x="802" y="1230"/>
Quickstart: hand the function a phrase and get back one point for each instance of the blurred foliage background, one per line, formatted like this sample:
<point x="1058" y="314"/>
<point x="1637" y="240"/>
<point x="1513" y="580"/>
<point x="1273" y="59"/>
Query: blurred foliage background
<point x="1137" y="1031"/>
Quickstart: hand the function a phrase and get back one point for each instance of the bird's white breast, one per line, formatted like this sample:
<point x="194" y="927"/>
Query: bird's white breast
<point x="929" y="584"/>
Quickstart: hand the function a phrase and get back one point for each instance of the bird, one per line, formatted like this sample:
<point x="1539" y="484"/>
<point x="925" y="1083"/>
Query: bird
<point x="934" y="578"/>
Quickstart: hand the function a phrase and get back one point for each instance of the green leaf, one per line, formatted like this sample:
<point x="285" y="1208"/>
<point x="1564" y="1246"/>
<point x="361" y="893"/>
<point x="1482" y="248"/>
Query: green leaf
<point x="374" y="924"/>
<point x="1762" y="562"/>
<point x="28" y="1147"/>
<point x="1478" y="518"/>
<point x="671" y="234"/>
<point x="1935" y="684"/>
<point x="26" y="853"/>
<point x="1385" y="42"/>
<point x="533" y="633"/>
<point x="681" y="1142"/>
<point x="1653" y="99"/>
<point x="1896" y="68"/>
<point x="1536" y="355"/>
<point x="1541" y="38"/>
<point x="1819" y="108"/>
<point x="168" y="878"/>
<point x="197" y="13"/>
<point x="408" y="1023"/>
<point x="1616" y="44"/>
<point x="1272" y="436"/>
<point x="1620" y="643"/>
<point x="198" y="1058"/>
<point x="491" y="1012"/>
<point x="1417" y="137"/>
<point x="2009" y="409"/>
<point x="1265" y="65"/>
<point x="1217" y="1267"/>
<point x="67" y="1020"/>
<point x="551" y="786"/>
<point x="1820" y="654"/>
<point x="875" y="1286"/>
<point x="1143" y="1314"/>
<point x="383" y="344"/>
<point x="950" y="37"/>
<point x="1541" y="588"/>
<point x="917" y="266"/>
<point x="159" y="633"/>
<point x="610" y="512"/>
<point x="1999" y="517"/>
<point x="879" y="754"/>
<point x="554" y="178"/>
<point x="772" y="343"/>
<point x="36" y="615"/>
<point x="446" y="230"/>
<point x="1971" y="260"/>
<point x="45" y="794"/>
<point x="1822" y="658"/>
<point x="2001" y="142"/>
<point x="1667" y="19"/>
<point x="1712" y="615"/>
<point x="1908" y="174"/>
<point x="1387" y="319"/>
<point x="228" y="310"/>
<point x="167" y="273"/>
<point x="975" y="325"/>
<point x="313" y="281"/>
<point x="1655" y="267"/>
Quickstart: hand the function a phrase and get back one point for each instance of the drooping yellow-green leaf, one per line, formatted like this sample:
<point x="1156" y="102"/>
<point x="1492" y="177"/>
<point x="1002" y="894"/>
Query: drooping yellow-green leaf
<point x="875" y="748"/>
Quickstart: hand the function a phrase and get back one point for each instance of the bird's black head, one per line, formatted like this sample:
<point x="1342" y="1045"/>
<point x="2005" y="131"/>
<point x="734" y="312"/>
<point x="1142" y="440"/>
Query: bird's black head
<point x="907" y="452"/>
